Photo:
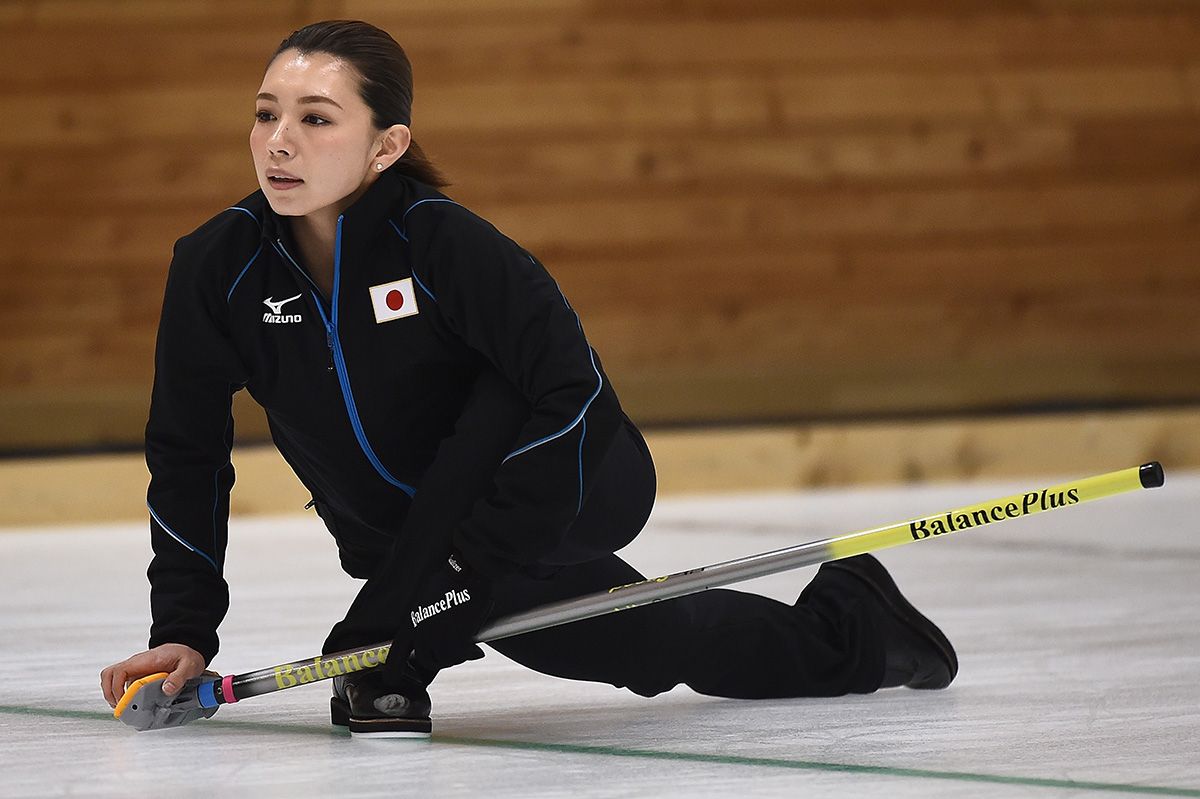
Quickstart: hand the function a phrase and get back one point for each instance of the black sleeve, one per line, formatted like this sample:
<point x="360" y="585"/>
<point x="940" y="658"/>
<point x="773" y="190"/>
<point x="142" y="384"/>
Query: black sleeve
<point x="188" y="440"/>
<point x="503" y="304"/>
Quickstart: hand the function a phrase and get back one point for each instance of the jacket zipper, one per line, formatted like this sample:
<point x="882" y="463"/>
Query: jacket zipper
<point x="339" y="361"/>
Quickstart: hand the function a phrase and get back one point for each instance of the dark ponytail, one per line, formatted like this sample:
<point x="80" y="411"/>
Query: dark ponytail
<point x="387" y="82"/>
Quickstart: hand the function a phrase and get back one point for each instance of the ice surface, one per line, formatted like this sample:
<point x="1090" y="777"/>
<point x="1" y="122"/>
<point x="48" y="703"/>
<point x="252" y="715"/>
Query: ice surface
<point x="1076" y="630"/>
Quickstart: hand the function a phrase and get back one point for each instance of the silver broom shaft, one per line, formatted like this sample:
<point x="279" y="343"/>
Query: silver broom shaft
<point x="618" y="598"/>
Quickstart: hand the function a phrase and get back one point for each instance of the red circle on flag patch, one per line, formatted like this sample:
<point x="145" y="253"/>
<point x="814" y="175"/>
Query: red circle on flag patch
<point x="394" y="300"/>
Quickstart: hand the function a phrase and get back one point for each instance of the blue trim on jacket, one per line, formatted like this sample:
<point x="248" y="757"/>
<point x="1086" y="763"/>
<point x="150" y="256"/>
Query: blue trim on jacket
<point x="181" y="539"/>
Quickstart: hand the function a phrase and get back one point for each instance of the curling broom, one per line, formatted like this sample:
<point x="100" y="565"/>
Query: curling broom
<point x="145" y="707"/>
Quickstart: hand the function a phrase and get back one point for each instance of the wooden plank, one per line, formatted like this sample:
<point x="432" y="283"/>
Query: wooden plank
<point x="724" y="10"/>
<point x="42" y="236"/>
<point x="808" y="392"/>
<point x="812" y="42"/>
<point x="798" y="457"/>
<point x="179" y="55"/>
<point x="993" y="94"/>
<point x="462" y="9"/>
<point x="969" y="335"/>
<point x="145" y="13"/>
<point x="853" y="213"/>
<point x="724" y="279"/>
<point x="69" y="361"/>
<point x="1192" y="78"/>
<point x="1109" y="6"/>
<point x="894" y="327"/>
<point x="1090" y="91"/>
<point x="950" y="150"/>
<point x="109" y="414"/>
<point x="1115" y="265"/>
<point x="76" y="118"/>
<point x="798" y="99"/>
<point x="570" y="105"/>
<point x="1145" y="144"/>
<point x="134" y="176"/>
<point x="49" y="300"/>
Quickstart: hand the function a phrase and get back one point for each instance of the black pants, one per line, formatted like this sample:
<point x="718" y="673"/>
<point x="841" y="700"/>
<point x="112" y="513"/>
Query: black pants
<point x="718" y="642"/>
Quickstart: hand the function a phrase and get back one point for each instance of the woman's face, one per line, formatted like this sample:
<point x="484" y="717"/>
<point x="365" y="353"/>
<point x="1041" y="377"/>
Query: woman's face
<point x="313" y="141"/>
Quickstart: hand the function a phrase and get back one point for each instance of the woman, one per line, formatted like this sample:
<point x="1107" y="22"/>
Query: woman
<point x="432" y="388"/>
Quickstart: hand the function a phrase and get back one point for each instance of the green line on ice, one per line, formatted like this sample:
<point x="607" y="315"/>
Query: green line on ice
<point x="813" y="765"/>
<point x="691" y="757"/>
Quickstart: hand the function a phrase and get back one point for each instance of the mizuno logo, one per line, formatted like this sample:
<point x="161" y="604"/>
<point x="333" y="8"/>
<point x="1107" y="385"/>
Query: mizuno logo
<point x="276" y="315"/>
<point x="277" y="307"/>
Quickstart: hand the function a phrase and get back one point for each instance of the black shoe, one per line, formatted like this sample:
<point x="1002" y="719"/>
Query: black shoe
<point x="367" y="706"/>
<point x="918" y="654"/>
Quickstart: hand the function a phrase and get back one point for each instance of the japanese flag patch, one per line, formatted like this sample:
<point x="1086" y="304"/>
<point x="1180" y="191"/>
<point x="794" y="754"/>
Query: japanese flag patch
<point x="394" y="300"/>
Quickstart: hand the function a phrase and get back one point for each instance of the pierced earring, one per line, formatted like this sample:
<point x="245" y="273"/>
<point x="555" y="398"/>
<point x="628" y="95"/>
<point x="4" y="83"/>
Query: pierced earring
<point x="379" y="167"/>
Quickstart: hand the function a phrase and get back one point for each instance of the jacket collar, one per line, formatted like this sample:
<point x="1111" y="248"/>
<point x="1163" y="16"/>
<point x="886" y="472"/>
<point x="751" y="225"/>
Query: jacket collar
<point x="366" y="219"/>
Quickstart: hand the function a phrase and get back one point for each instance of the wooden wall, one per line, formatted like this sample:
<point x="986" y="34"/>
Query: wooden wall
<point x="765" y="209"/>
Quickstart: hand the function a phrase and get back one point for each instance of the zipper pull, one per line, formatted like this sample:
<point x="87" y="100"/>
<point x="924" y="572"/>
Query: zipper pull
<point x="329" y="341"/>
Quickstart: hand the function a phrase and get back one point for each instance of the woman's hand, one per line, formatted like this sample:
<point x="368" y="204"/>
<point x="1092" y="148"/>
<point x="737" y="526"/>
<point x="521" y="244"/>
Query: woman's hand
<point x="181" y="661"/>
<point x="450" y="608"/>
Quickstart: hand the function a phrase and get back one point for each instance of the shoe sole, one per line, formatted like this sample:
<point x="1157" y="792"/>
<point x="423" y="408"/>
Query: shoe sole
<point x="339" y="715"/>
<point x="871" y="573"/>
<point x="370" y="728"/>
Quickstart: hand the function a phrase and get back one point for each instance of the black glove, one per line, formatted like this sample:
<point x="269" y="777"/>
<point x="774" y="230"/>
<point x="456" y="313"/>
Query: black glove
<point x="451" y="607"/>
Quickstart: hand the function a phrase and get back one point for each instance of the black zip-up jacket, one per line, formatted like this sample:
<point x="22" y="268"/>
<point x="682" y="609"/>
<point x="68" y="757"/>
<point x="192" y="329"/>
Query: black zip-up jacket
<point x="360" y="387"/>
